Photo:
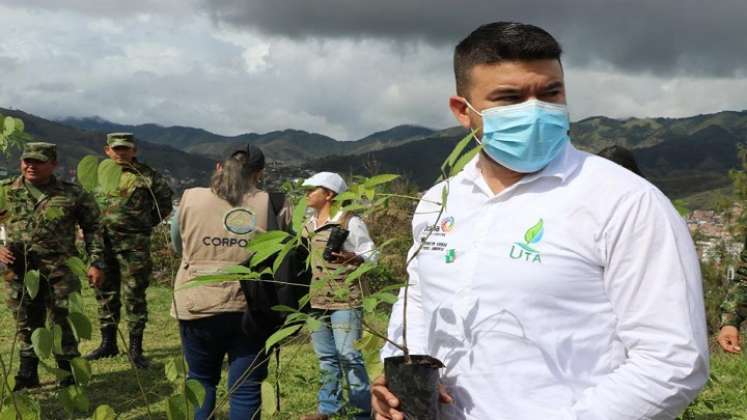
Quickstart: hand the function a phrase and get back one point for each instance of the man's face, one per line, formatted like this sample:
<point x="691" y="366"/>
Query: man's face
<point x="36" y="171"/>
<point x="318" y="197"/>
<point x="122" y="155"/>
<point x="508" y="83"/>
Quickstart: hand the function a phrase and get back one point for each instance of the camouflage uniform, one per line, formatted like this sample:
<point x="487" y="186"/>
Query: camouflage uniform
<point x="128" y="216"/>
<point x="40" y="224"/>
<point x="734" y="306"/>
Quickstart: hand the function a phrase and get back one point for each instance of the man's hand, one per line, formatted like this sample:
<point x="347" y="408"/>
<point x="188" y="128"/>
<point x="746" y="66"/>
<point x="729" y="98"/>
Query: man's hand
<point x="95" y="277"/>
<point x="6" y="257"/>
<point x="728" y="338"/>
<point x="347" y="257"/>
<point x="384" y="403"/>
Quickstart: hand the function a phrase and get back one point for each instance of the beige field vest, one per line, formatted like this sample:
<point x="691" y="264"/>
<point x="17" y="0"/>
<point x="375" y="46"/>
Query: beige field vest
<point x="328" y="288"/>
<point x="208" y="246"/>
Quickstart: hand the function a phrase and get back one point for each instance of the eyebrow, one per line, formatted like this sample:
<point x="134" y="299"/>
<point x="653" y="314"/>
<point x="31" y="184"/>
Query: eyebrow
<point x="554" y="85"/>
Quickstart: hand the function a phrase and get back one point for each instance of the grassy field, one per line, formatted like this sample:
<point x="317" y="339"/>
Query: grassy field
<point x="119" y="386"/>
<point x="142" y="394"/>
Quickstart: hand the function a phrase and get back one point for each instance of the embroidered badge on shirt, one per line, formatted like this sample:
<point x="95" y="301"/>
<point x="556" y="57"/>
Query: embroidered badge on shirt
<point x="524" y="250"/>
<point x="450" y="256"/>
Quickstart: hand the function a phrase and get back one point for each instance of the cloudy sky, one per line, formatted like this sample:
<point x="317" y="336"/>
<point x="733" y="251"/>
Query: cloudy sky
<point x="346" y="68"/>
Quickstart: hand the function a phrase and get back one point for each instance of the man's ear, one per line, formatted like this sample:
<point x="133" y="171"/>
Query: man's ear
<point x="460" y="110"/>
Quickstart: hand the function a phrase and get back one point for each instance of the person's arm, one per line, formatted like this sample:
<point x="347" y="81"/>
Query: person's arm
<point x="176" y="234"/>
<point x="163" y="194"/>
<point x="734" y="308"/>
<point x="652" y="278"/>
<point x="88" y="218"/>
<point x="359" y="240"/>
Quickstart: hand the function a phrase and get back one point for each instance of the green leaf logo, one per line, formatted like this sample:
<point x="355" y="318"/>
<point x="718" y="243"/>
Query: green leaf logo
<point x="534" y="234"/>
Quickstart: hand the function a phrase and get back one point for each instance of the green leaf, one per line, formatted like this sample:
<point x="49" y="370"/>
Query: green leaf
<point x="9" y="126"/>
<point x="75" y="302"/>
<point x="283" y="308"/>
<point x="456" y="152"/>
<point x="358" y="272"/>
<point x="236" y="269"/>
<point x="299" y="214"/>
<point x="81" y="370"/>
<point x="534" y="233"/>
<point x="369" y="304"/>
<point x="109" y="174"/>
<point x="31" y="281"/>
<point x="87" y="173"/>
<point x="195" y="392"/>
<point x="74" y="399"/>
<point x="78" y="268"/>
<point x="57" y="339"/>
<point x="81" y="325"/>
<point x="288" y="247"/>
<point x="175" y="369"/>
<point x="464" y="160"/>
<point x="379" y="179"/>
<point x="389" y="298"/>
<point x="313" y="324"/>
<point x="104" y="412"/>
<point x="41" y="340"/>
<point x="176" y="408"/>
<point x="281" y="334"/>
<point x="3" y="199"/>
<point x="265" y="245"/>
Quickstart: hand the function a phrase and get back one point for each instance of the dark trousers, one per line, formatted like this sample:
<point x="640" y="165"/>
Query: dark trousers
<point x="206" y="342"/>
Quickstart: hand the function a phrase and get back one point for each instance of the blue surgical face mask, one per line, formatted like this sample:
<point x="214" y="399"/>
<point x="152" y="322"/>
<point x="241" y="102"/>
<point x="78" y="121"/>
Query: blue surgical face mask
<point x="524" y="137"/>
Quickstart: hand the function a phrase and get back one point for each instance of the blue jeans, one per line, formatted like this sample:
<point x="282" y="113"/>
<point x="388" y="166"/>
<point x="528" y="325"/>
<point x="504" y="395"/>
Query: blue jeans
<point x="338" y="358"/>
<point x="205" y="343"/>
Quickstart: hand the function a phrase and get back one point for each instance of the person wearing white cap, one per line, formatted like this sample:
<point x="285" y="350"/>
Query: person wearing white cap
<point x="337" y="301"/>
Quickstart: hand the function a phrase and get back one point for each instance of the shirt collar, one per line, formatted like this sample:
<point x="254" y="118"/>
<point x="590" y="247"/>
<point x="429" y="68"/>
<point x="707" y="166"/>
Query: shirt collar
<point x="564" y="165"/>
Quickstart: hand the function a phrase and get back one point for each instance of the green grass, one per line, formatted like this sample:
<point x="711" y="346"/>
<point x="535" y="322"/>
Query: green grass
<point x="116" y="384"/>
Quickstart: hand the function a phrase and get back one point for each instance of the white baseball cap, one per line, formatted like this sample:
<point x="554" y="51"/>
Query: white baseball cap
<point x="328" y="180"/>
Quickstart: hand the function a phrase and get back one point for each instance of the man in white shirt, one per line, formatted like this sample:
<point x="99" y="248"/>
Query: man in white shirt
<point x="554" y="284"/>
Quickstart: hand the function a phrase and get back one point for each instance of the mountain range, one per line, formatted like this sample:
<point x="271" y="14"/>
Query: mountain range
<point x="683" y="156"/>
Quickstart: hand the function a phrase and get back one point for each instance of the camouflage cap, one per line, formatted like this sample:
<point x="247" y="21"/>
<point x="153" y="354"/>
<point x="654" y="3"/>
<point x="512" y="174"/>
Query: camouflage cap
<point x="120" y="139"/>
<point x="40" y="151"/>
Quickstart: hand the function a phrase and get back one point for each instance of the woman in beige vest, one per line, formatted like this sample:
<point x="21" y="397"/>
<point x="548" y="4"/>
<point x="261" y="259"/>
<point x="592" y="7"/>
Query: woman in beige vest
<point x="212" y="228"/>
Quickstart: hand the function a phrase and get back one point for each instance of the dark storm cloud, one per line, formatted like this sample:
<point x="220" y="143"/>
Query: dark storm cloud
<point x="690" y="37"/>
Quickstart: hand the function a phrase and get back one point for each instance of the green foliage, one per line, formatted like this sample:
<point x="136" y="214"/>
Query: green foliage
<point x="81" y="325"/>
<point x="74" y="399"/>
<point x="41" y="340"/>
<point x="81" y="371"/>
<point x="739" y="179"/>
<point x="681" y="206"/>
<point x="12" y="136"/>
<point x="87" y="173"/>
<point x="280" y="335"/>
<point x="191" y="392"/>
<point x="108" y="176"/>
<point x="104" y="412"/>
<point x="31" y="281"/>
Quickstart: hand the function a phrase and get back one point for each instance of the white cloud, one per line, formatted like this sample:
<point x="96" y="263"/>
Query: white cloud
<point x="182" y="68"/>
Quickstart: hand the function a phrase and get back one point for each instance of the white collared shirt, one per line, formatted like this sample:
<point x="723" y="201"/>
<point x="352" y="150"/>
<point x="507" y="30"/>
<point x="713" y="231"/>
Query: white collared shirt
<point x="573" y="294"/>
<point x="358" y="241"/>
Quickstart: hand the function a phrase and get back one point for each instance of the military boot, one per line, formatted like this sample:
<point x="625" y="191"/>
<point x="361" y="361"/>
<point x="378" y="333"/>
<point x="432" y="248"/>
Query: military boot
<point x="69" y="379"/>
<point x="28" y="376"/>
<point x="136" y="351"/>
<point x="108" y="346"/>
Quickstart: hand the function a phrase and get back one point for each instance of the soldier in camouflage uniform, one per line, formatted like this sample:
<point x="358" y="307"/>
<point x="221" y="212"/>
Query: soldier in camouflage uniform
<point x="128" y="216"/>
<point x="39" y="213"/>
<point x="734" y="307"/>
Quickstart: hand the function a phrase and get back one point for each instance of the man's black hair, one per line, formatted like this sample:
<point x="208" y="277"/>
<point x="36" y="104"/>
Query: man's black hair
<point x="499" y="41"/>
<point x="622" y="157"/>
